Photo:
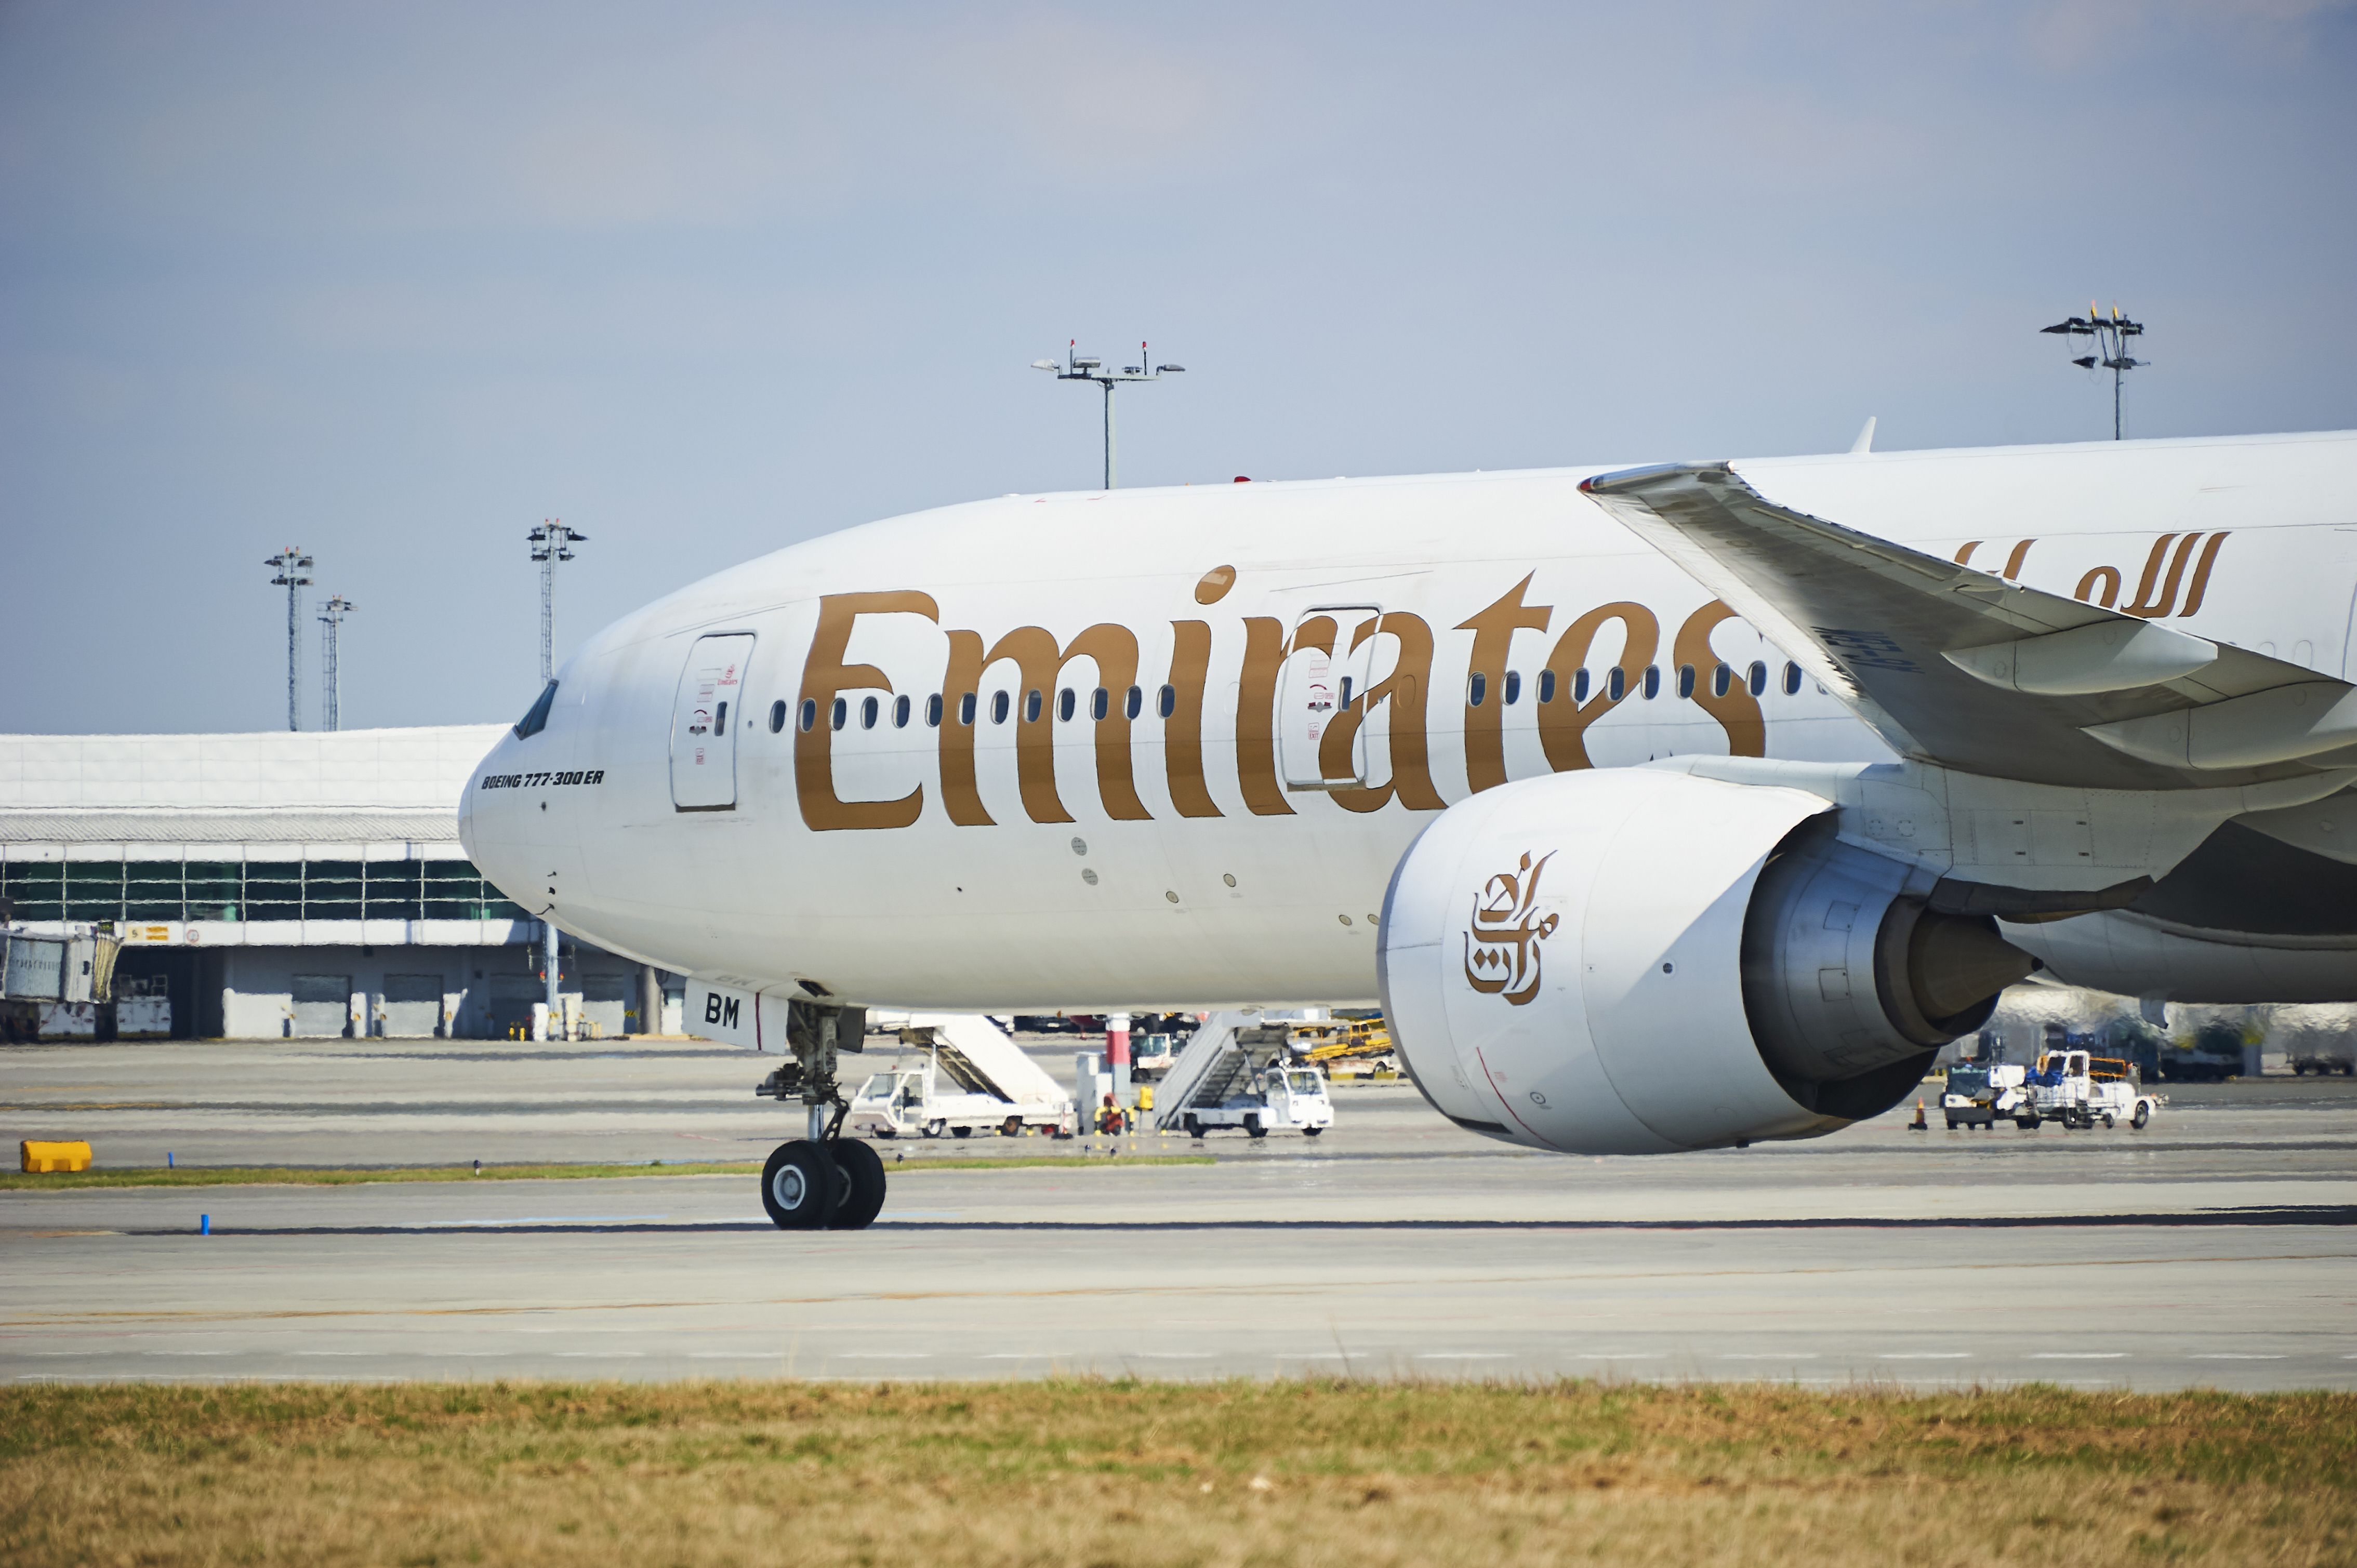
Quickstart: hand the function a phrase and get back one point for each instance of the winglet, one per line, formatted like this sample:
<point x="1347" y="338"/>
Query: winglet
<point x="1864" y="442"/>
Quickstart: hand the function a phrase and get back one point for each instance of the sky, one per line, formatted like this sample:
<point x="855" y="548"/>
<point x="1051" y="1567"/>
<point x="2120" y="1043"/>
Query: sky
<point x="394" y="284"/>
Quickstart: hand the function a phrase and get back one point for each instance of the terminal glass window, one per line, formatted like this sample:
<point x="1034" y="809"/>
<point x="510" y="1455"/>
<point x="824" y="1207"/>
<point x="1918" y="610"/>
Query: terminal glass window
<point x="332" y="890"/>
<point x="214" y="890"/>
<point x="151" y="890"/>
<point x="391" y="890"/>
<point x="36" y="889"/>
<point x="156" y="890"/>
<point x="273" y="890"/>
<point x="94" y="890"/>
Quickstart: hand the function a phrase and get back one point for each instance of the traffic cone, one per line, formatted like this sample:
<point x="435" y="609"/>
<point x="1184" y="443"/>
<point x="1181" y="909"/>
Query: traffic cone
<point x="1919" y="1124"/>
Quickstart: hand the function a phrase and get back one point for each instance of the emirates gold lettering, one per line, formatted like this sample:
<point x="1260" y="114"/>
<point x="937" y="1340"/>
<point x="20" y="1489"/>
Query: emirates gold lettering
<point x="1400" y="696"/>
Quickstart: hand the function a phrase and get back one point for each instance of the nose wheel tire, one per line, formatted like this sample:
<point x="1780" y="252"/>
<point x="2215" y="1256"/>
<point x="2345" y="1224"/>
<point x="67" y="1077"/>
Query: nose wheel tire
<point x="800" y="1184"/>
<point x="862" y="1191"/>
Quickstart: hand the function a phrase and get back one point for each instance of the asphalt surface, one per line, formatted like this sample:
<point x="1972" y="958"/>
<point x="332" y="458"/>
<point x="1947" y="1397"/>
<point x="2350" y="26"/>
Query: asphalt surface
<point x="2213" y="1248"/>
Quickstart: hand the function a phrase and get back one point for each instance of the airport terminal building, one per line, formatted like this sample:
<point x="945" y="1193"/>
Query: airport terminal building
<point x="294" y="883"/>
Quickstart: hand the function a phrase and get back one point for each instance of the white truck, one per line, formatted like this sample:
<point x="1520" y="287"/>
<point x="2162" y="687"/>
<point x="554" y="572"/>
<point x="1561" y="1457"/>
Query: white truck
<point x="1238" y="1071"/>
<point x="2079" y="1088"/>
<point x="56" y="987"/>
<point x="971" y="1077"/>
<point x="1978" y="1093"/>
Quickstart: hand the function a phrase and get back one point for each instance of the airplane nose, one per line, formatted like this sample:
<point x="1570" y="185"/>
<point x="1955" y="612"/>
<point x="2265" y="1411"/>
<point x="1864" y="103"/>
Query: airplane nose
<point x="486" y="830"/>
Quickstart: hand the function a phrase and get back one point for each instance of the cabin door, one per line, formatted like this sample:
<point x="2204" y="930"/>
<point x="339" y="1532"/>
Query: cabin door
<point x="1321" y="700"/>
<point x="705" y="723"/>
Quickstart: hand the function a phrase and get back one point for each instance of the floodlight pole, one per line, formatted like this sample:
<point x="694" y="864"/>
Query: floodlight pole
<point x="293" y="576"/>
<point x="2110" y="334"/>
<point x="332" y="612"/>
<point x="552" y="543"/>
<point x="1077" y="367"/>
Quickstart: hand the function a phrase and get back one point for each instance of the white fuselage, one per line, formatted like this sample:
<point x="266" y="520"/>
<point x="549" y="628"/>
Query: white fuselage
<point x="1164" y="861"/>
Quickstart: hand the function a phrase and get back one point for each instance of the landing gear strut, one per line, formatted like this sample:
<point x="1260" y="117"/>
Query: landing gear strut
<point x="822" y="1181"/>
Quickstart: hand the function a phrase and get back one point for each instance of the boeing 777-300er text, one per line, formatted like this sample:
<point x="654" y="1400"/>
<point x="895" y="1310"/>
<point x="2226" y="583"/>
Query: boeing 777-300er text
<point x="1663" y="808"/>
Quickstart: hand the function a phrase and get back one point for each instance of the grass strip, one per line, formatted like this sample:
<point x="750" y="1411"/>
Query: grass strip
<point x="299" y="1176"/>
<point x="1086" y="1471"/>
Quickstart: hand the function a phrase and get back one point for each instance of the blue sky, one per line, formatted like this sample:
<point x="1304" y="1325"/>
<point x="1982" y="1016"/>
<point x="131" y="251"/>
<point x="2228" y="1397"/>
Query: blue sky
<point x="396" y="283"/>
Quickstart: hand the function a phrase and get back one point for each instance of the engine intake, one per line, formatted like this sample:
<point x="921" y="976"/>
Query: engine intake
<point x="1638" y="961"/>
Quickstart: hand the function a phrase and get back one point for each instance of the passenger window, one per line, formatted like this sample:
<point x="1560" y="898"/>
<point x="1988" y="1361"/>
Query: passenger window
<point x="1754" y="680"/>
<point x="899" y="713"/>
<point x="998" y="707"/>
<point x="776" y="716"/>
<point x="720" y="720"/>
<point x="1547" y="685"/>
<point x="1722" y="681"/>
<point x="1791" y="680"/>
<point x="810" y="715"/>
<point x="1346" y="690"/>
<point x="1513" y="687"/>
<point x="1166" y="702"/>
<point x="842" y="712"/>
<point x="933" y="711"/>
<point x="1685" y="680"/>
<point x="1031" y="706"/>
<point x="867" y="712"/>
<point x="1477" y="688"/>
<point x="1136" y="704"/>
<point x="965" y="709"/>
<point x="1653" y="682"/>
<point x="1066" y="704"/>
<point x="1616" y="685"/>
<point x="1100" y="703"/>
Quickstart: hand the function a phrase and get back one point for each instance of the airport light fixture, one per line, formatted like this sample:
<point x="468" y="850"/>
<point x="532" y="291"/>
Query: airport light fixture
<point x="2109" y="338"/>
<point x="1080" y="368"/>
<point x="332" y="612"/>
<point x="293" y="576"/>
<point x="551" y="542"/>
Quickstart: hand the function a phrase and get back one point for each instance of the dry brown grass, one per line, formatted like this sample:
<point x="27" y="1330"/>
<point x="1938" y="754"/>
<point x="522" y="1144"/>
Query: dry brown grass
<point x="1128" y="1473"/>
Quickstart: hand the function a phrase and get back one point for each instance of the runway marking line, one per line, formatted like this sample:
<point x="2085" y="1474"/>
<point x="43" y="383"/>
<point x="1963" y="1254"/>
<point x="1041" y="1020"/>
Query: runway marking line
<point x="1280" y="1288"/>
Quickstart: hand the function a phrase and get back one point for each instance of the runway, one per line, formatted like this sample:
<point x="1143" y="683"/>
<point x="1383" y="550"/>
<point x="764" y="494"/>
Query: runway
<point x="2215" y="1249"/>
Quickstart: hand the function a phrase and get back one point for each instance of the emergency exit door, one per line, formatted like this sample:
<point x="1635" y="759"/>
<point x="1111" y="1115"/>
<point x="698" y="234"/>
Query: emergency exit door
<point x="706" y="721"/>
<point x="1324" y="684"/>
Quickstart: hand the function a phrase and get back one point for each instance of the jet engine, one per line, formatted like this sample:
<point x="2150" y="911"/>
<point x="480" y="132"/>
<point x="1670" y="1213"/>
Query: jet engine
<point x="1639" y="962"/>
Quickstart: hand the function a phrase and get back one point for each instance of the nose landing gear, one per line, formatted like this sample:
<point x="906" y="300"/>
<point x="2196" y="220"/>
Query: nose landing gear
<point x="824" y="1181"/>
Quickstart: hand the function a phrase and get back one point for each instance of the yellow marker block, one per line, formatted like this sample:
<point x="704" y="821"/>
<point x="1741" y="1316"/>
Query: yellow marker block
<point x="42" y="1159"/>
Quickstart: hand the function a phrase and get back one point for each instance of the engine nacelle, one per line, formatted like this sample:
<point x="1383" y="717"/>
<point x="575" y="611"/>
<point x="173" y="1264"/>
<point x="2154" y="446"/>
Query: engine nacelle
<point x="1640" y="961"/>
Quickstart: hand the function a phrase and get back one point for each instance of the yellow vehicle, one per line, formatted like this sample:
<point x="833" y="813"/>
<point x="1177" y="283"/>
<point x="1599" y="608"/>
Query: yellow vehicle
<point x="1343" y="1040"/>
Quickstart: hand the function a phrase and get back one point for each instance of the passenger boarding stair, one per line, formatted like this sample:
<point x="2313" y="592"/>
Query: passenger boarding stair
<point x="1217" y="1065"/>
<point x="979" y="1057"/>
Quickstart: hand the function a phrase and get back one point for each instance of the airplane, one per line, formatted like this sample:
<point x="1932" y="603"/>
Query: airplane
<point x="1661" y="808"/>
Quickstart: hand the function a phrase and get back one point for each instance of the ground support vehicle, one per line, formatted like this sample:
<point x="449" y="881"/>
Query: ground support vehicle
<point x="2306" y="1062"/>
<point x="969" y="1077"/>
<point x="2079" y="1089"/>
<point x="1150" y="1057"/>
<point x="57" y="988"/>
<point x="1974" y="1092"/>
<point x="1346" y="1046"/>
<point x="1240" y="1072"/>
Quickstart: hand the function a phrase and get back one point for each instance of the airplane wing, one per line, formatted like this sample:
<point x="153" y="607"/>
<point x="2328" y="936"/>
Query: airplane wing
<point x="1973" y="671"/>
